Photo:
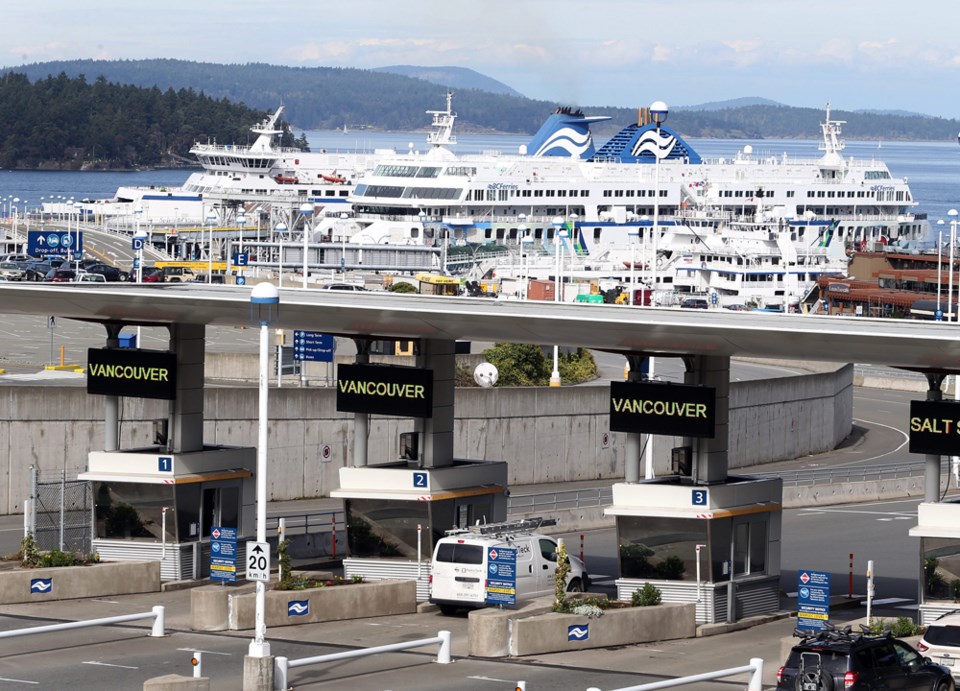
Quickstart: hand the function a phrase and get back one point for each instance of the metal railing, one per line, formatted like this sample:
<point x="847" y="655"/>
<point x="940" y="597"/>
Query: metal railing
<point x="562" y="499"/>
<point x="157" y="614"/>
<point x="754" y="669"/>
<point x="824" y="476"/>
<point x="307" y="523"/>
<point x="282" y="665"/>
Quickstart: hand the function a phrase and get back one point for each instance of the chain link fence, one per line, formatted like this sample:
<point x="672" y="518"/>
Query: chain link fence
<point x="62" y="510"/>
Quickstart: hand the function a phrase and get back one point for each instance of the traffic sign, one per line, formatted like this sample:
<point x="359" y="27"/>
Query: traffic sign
<point x="313" y="346"/>
<point x="136" y="243"/>
<point x="258" y="561"/>
<point x="240" y="258"/>
<point x="42" y="243"/>
<point x="241" y="280"/>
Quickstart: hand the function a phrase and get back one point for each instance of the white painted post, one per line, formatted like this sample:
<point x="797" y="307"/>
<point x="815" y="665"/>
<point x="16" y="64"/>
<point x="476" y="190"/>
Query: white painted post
<point x="756" y="679"/>
<point x="870" y="590"/>
<point x="197" y="662"/>
<point x="282" y="532"/>
<point x="158" y="621"/>
<point x="419" y="551"/>
<point x="443" y="657"/>
<point x="280" y="673"/>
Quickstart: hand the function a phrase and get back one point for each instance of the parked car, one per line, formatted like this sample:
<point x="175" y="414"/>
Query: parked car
<point x="60" y="276"/>
<point x="341" y="286"/>
<point x="178" y="274"/>
<point x="151" y="274"/>
<point x="941" y="642"/>
<point x="12" y="271"/>
<point x="17" y="258"/>
<point x="834" y="659"/>
<point x="110" y="273"/>
<point x="36" y="271"/>
<point x="85" y="277"/>
<point x="694" y="303"/>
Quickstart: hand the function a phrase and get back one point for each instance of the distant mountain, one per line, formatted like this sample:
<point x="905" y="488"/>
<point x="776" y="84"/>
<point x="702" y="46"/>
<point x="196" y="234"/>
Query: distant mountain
<point x="898" y="113"/>
<point x="452" y="78"/>
<point x="732" y="103"/>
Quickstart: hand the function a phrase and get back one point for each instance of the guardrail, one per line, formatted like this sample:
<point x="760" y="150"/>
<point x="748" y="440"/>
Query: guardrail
<point x="821" y="476"/>
<point x="754" y="669"/>
<point x="282" y="665"/>
<point x="562" y="499"/>
<point x="156" y="614"/>
<point x="314" y="522"/>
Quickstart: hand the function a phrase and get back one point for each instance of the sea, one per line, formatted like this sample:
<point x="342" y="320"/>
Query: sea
<point x="932" y="168"/>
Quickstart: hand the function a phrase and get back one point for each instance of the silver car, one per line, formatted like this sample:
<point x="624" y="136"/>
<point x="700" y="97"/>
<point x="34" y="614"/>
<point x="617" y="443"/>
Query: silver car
<point x="12" y="271"/>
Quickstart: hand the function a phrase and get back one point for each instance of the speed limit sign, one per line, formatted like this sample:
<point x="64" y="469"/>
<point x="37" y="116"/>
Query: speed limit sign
<point x="258" y="561"/>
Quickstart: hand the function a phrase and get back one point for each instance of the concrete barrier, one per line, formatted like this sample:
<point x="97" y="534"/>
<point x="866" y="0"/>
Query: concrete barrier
<point x="75" y="582"/>
<point x="177" y="682"/>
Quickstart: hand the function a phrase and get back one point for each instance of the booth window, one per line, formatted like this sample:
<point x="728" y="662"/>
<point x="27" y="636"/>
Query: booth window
<point x="941" y="564"/>
<point x="660" y="548"/>
<point x="378" y="528"/>
<point x="749" y="546"/>
<point x="133" y="511"/>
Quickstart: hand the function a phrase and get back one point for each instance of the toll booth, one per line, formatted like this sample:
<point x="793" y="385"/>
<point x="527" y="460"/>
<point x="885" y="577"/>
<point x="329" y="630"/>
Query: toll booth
<point x="396" y="512"/>
<point x="156" y="506"/>
<point x="938" y="527"/>
<point x="715" y="545"/>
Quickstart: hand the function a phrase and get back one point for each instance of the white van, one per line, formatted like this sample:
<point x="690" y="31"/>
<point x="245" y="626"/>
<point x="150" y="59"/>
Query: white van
<point x="460" y="568"/>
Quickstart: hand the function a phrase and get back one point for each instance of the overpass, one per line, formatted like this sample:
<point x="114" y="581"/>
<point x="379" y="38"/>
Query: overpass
<point x="722" y="511"/>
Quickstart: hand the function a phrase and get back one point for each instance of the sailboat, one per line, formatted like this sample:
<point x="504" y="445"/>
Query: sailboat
<point x="345" y="128"/>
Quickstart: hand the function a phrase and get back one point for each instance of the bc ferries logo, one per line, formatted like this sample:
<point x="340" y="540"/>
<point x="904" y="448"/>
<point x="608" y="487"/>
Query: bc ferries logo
<point x="41" y="585"/>
<point x="298" y="608"/>
<point x="578" y="633"/>
<point x="573" y="141"/>
<point x="661" y="147"/>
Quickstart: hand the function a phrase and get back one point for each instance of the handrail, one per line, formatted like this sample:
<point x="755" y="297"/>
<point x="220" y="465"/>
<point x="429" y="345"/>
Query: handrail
<point x="156" y="614"/>
<point x="754" y="669"/>
<point x="282" y="665"/>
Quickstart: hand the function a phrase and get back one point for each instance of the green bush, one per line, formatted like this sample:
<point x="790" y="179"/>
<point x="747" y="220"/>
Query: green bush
<point x="955" y="589"/>
<point x="647" y="596"/>
<point x="903" y="626"/>
<point x="577" y="367"/>
<point x="402" y="287"/>
<point x="519" y="364"/>
<point x="671" y="568"/>
<point x="560" y="580"/>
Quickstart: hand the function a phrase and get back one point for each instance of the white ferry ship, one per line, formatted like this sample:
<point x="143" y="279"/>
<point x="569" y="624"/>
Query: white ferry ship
<point x="644" y="209"/>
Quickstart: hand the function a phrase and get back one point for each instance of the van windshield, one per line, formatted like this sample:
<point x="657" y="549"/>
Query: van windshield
<point x="459" y="554"/>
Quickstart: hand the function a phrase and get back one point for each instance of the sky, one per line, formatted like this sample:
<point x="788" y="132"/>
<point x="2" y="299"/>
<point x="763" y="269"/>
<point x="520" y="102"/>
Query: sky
<point x="855" y="54"/>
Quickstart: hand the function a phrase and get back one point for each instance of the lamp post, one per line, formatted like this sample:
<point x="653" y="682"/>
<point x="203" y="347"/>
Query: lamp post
<point x="241" y="223"/>
<point x="280" y="229"/>
<point x="16" y="200"/>
<point x="306" y="210"/>
<point x="137" y="213"/>
<point x="559" y="232"/>
<point x="344" y="217"/>
<point x="939" y="264"/>
<point x="522" y="238"/>
<point x="76" y="239"/>
<point x="265" y="299"/>
<point x="211" y="220"/>
<point x="658" y="111"/>
<point x="952" y="213"/>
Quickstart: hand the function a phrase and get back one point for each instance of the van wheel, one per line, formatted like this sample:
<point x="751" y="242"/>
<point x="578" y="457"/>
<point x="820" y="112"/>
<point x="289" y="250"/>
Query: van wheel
<point x="575" y="586"/>
<point x="448" y="610"/>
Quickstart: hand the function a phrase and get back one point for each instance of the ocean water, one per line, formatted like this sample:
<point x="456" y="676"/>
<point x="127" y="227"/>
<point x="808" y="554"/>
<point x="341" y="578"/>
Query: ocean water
<point x="932" y="168"/>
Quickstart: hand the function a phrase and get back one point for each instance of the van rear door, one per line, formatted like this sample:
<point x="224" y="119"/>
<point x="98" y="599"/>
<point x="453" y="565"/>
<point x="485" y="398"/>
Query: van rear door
<point x="459" y="573"/>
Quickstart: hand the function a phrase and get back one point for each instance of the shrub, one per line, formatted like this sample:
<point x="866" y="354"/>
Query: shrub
<point x="646" y="596"/>
<point x="582" y="609"/>
<point x="560" y="579"/>
<point x="671" y="568"/>
<point x="955" y="589"/>
<point x="402" y="287"/>
<point x="903" y="626"/>
<point x="933" y="580"/>
<point x="519" y="364"/>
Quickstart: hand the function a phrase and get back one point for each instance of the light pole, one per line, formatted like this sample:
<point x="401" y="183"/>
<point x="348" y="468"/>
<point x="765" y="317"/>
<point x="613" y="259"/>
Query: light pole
<point x="137" y="213"/>
<point x="16" y="200"/>
<point x="306" y="210"/>
<point x="76" y="239"/>
<point x="211" y="220"/>
<point x="952" y="213"/>
<point x="522" y="236"/>
<point x="265" y="298"/>
<point x="280" y="229"/>
<point x="559" y="233"/>
<point x="344" y="217"/>
<point x="241" y="223"/>
<point x="658" y="111"/>
<point x="939" y="263"/>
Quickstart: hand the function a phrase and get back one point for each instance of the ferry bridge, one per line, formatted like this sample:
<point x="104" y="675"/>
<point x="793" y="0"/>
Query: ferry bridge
<point x="737" y="518"/>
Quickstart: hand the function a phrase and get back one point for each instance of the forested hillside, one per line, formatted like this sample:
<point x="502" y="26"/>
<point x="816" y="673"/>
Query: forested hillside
<point x="59" y="122"/>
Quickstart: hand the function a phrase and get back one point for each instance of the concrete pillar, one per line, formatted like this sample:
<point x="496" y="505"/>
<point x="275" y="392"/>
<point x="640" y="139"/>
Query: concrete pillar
<point x="634" y="447"/>
<point x="361" y="421"/>
<point x="710" y="455"/>
<point x="436" y="432"/>
<point x="111" y="404"/>
<point x="931" y="478"/>
<point x="185" y="426"/>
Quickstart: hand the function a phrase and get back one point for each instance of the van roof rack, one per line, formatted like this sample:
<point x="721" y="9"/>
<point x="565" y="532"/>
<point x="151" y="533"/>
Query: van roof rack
<point x="525" y="525"/>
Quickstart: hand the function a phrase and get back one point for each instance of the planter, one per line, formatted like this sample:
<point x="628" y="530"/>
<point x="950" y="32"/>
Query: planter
<point x="74" y="582"/>
<point x="534" y="629"/>
<point x="214" y="608"/>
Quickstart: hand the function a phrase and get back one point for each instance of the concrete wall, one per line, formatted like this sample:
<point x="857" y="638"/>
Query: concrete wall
<point x="545" y="434"/>
<point x="75" y="582"/>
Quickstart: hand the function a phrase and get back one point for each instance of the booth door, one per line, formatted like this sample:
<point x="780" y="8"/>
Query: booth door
<point x="220" y="506"/>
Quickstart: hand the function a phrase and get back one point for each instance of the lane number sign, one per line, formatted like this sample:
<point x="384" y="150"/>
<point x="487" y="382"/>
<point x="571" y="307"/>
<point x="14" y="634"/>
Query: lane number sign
<point x="258" y="561"/>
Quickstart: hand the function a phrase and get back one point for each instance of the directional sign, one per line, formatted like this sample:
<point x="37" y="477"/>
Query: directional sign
<point x="313" y="346"/>
<point x="813" y="600"/>
<point x="258" y="561"/>
<point x="240" y="258"/>
<point x="136" y="243"/>
<point x="42" y="243"/>
<point x="223" y="554"/>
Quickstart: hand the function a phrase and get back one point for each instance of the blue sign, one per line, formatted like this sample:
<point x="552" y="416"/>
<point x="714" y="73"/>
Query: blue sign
<point x="813" y="600"/>
<point x="41" y="586"/>
<point x="698" y="497"/>
<point x="240" y="258"/>
<point x="165" y="464"/>
<point x="136" y="262"/>
<point x="42" y="243"/>
<point x="578" y="633"/>
<point x="938" y="315"/>
<point x="136" y="243"/>
<point x="502" y="576"/>
<point x="241" y="280"/>
<point x="313" y="346"/>
<point x="298" y="608"/>
<point x="421" y="481"/>
<point x="223" y="554"/>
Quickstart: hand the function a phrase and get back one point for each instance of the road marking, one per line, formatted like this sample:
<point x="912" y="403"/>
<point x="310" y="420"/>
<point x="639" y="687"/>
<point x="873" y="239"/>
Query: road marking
<point x="111" y="602"/>
<point x="19" y="681"/>
<point x="205" y="652"/>
<point x="107" y="664"/>
<point x="495" y="680"/>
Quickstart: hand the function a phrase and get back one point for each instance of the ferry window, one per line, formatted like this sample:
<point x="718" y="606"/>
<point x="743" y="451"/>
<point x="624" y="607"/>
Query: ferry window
<point x="551" y="193"/>
<point x="790" y="194"/>
<point x="629" y="193"/>
<point x="618" y="193"/>
<point x="584" y="193"/>
<point x="561" y="193"/>
<point x="607" y="193"/>
<point x="428" y="172"/>
<point x="538" y="193"/>
<point x="344" y="193"/>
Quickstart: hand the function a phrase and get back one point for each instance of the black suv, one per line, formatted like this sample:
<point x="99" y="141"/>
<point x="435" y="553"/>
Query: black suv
<point x="835" y="660"/>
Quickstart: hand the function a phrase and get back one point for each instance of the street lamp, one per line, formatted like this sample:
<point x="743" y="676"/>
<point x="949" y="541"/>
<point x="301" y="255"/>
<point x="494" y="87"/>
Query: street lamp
<point x="522" y="237"/>
<point x="16" y="200"/>
<point x="344" y="217"/>
<point x="265" y="298"/>
<point x="306" y="210"/>
<point x="952" y="213"/>
<point x="140" y="238"/>
<point x="211" y="220"/>
<point x="658" y="111"/>
<point x="559" y="233"/>
<point x="280" y="229"/>
<point x="939" y="264"/>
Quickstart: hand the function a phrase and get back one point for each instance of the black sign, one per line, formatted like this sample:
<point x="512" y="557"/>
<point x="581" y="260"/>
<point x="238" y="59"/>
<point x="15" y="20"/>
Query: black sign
<point x="935" y="427"/>
<point x="134" y="373"/>
<point x="669" y="409"/>
<point x="385" y="390"/>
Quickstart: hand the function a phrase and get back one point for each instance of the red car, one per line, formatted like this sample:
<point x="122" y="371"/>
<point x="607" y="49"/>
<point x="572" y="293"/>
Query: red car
<point x="60" y="276"/>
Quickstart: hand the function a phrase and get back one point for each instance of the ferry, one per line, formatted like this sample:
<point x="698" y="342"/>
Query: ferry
<point x="644" y="208"/>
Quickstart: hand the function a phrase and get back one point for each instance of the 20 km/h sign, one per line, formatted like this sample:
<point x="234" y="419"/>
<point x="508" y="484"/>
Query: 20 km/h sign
<point x="258" y="561"/>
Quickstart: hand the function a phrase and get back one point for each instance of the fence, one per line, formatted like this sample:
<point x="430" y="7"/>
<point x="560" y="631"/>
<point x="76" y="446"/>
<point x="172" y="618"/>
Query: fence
<point x="754" y="669"/>
<point x="157" y="614"/>
<point x="282" y="665"/>
<point x="563" y="499"/>
<point x="62" y="510"/>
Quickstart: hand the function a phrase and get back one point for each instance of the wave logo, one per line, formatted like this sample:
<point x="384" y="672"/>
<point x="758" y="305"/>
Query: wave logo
<point x="41" y="585"/>
<point x="578" y="633"/>
<point x="574" y="141"/>
<point x="661" y="147"/>
<point x="298" y="608"/>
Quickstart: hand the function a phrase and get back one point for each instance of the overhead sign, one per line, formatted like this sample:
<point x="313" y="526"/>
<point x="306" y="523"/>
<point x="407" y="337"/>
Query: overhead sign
<point x="223" y="554"/>
<point x="313" y="346"/>
<point x="134" y="373"/>
<point x="658" y="408"/>
<point x="813" y="600"/>
<point x="385" y="390"/>
<point x="258" y="561"/>
<point x="935" y="427"/>
<point x="42" y="243"/>
<point x="502" y="576"/>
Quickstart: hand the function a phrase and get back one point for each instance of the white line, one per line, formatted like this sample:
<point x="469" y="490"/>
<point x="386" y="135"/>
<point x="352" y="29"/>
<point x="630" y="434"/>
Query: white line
<point x="107" y="664"/>
<point x="498" y="681"/>
<point x="18" y="681"/>
<point x="205" y="652"/>
<point x="888" y="601"/>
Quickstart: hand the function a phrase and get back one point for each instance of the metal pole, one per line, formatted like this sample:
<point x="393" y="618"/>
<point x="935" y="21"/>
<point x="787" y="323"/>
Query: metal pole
<point x="259" y="647"/>
<point x="870" y="590"/>
<point x="63" y="500"/>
